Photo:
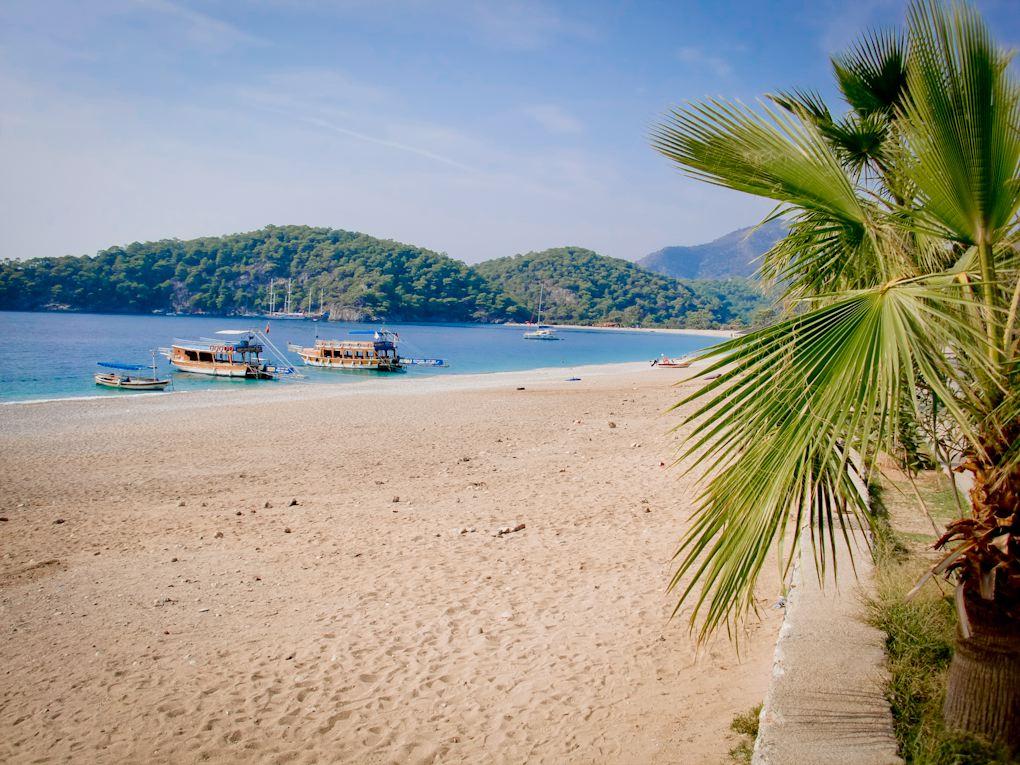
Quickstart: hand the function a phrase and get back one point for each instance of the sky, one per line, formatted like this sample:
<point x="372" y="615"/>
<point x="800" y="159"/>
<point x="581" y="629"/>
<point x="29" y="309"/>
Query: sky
<point x="479" y="129"/>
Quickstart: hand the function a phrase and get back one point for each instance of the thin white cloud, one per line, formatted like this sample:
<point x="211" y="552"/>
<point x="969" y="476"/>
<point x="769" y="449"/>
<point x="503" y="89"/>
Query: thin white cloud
<point x="845" y="21"/>
<point x="202" y="28"/>
<point x="321" y="97"/>
<point x="699" y="58"/>
<point x="508" y="24"/>
<point x="523" y="24"/>
<point x="421" y="152"/>
<point x="554" y="118"/>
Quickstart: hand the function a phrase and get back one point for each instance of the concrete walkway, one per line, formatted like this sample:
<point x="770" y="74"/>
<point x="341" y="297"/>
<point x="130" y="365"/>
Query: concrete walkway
<point x="825" y="702"/>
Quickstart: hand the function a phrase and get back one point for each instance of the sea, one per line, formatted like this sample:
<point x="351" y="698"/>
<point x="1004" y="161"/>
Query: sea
<point x="54" y="355"/>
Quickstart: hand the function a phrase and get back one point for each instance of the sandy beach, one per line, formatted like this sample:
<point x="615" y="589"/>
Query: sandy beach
<point x="312" y="574"/>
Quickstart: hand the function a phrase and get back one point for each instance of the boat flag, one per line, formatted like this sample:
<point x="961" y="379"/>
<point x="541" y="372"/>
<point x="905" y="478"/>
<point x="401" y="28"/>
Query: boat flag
<point x="267" y="327"/>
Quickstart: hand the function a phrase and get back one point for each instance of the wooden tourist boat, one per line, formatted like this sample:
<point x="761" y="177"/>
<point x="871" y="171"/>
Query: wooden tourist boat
<point x="378" y="354"/>
<point x="121" y="378"/>
<point x="241" y="358"/>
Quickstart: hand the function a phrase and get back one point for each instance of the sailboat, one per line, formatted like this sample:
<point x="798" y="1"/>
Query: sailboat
<point x="542" y="333"/>
<point x="287" y="314"/>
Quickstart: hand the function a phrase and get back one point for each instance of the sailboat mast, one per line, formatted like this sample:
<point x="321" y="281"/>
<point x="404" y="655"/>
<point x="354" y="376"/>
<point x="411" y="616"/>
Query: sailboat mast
<point x="286" y="308"/>
<point x="272" y="296"/>
<point x="541" y="289"/>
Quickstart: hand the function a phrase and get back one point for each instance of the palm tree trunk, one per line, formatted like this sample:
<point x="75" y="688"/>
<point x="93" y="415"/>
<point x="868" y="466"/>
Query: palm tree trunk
<point x="983" y="694"/>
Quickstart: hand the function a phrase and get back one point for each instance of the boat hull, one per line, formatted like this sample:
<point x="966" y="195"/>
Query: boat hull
<point x="223" y="370"/>
<point x="351" y="365"/>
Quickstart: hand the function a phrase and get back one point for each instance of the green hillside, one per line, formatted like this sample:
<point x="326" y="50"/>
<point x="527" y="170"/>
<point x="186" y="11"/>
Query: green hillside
<point x="358" y="276"/>
<point x="583" y="287"/>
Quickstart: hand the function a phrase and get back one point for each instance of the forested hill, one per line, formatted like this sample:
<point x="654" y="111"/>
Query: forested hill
<point x="583" y="287"/>
<point x="358" y="276"/>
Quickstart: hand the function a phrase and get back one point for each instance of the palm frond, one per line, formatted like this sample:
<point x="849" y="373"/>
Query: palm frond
<point x="859" y="140"/>
<point x="791" y="404"/>
<point x="803" y="103"/>
<point x="820" y="254"/>
<point x="872" y="74"/>
<point x="960" y="119"/>
<point x="770" y="154"/>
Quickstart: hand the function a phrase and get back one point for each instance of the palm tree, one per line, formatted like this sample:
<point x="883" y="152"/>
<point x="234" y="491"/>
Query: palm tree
<point x="902" y="259"/>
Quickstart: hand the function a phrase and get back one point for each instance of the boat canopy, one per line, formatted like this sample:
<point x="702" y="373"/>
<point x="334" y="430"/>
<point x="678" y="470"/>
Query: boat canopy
<point x="117" y="365"/>
<point x="234" y="332"/>
<point x="216" y="346"/>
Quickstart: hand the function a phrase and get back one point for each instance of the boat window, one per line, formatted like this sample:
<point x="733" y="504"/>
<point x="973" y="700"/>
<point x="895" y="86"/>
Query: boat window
<point x="191" y="355"/>
<point x="205" y="356"/>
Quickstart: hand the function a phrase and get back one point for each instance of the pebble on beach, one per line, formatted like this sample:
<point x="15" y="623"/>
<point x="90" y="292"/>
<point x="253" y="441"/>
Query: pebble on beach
<point x="504" y="530"/>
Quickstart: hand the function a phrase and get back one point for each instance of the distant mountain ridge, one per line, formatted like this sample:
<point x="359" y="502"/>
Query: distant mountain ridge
<point x="734" y="254"/>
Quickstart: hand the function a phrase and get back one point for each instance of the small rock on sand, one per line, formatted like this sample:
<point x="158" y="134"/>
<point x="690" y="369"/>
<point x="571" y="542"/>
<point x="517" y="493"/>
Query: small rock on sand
<point x="58" y="521"/>
<point x="218" y="535"/>
<point x="396" y="499"/>
<point x="286" y="530"/>
<point x="268" y="504"/>
<point x="292" y="503"/>
<point x="612" y="424"/>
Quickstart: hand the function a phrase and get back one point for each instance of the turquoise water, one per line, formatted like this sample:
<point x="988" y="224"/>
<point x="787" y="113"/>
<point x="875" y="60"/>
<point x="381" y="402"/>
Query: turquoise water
<point x="54" y="355"/>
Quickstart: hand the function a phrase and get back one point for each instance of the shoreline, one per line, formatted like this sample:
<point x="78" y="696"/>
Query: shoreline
<point x="516" y="325"/>
<point x="295" y="390"/>
<point x="724" y="333"/>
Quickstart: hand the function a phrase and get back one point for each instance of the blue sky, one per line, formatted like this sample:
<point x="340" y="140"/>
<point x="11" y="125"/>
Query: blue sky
<point x="477" y="129"/>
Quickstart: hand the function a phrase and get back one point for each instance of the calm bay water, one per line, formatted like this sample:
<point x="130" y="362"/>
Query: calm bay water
<point x="54" y="355"/>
